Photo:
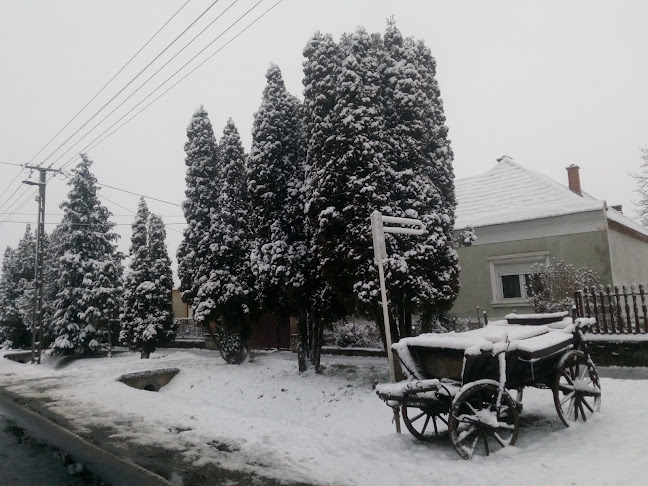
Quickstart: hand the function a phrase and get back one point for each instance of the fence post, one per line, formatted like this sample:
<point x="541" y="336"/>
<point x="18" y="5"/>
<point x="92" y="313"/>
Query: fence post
<point x="587" y="304"/>
<point x="619" y="314"/>
<point x="611" y="308"/>
<point x="643" y="306"/>
<point x="596" y="312"/>
<point x="627" y="308"/>
<point x="602" y="297"/>
<point x="578" y="300"/>
<point x="635" y="309"/>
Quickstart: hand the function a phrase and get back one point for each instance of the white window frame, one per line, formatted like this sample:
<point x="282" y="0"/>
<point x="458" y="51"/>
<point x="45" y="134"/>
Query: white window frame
<point x="498" y="262"/>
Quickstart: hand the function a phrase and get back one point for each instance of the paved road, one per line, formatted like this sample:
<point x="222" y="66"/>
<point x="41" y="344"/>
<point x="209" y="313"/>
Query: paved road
<point x="27" y="462"/>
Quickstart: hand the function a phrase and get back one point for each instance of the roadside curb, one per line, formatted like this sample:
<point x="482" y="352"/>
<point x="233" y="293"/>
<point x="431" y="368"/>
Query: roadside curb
<point x="110" y="468"/>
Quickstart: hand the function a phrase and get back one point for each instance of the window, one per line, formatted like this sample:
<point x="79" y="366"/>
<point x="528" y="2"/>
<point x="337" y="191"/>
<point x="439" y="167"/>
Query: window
<point x="510" y="275"/>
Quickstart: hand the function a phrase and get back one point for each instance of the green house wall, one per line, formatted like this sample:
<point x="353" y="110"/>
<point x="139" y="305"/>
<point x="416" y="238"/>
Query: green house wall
<point x="589" y="249"/>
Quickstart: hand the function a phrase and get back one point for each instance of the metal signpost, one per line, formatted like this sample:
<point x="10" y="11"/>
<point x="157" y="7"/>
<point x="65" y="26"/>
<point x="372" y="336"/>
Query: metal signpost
<point x="378" y="231"/>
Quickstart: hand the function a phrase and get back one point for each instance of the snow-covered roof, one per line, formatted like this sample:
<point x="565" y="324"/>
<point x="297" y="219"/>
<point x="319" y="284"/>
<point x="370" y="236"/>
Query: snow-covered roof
<point x="509" y="192"/>
<point x="621" y="218"/>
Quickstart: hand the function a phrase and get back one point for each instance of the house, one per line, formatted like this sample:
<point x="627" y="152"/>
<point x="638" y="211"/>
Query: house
<point x="522" y="217"/>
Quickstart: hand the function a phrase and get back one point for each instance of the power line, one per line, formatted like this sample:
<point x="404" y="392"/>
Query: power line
<point x="101" y="184"/>
<point x="146" y="82"/>
<point x="130" y="210"/>
<point x="92" y="144"/>
<point x="9" y="185"/>
<point x="80" y="224"/>
<point x="11" y="163"/>
<point x="114" y="215"/>
<point x="129" y="83"/>
<point x="109" y="81"/>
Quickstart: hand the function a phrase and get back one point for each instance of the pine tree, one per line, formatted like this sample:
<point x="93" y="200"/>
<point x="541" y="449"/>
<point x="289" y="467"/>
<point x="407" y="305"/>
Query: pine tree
<point x="275" y="180"/>
<point x="321" y="68"/>
<point x="162" y="278"/>
<point x="198" y="254"/>
<point x="89" y="298"/>
<point x="147" y="319"/>
<point x="422" y="272"/>
<point x="16" y="293"/>
<point x="202" y="187"/>
<point x="352" y="178"/>
<point x="229" y="288"/>
<point x="641" y="177"/>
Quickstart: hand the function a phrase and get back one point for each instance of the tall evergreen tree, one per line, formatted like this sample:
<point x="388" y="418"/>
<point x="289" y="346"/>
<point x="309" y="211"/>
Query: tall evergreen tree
<point x="198" y="254"/>
<point x="352" y="179"/>
<point x="162" y="278"/>
<point x="89" y="298"/>
<point x="147" y="319"/>
<point x="321" y="68"/>
<point x="16" y="293"/>
<point x="275" y="180"/>
<point x="229" y="288"/>
<point x="202" y="187"/>
<point x="422" y="272"/>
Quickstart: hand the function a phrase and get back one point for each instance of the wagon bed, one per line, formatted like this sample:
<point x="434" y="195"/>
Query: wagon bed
<point x="461" y="380"/>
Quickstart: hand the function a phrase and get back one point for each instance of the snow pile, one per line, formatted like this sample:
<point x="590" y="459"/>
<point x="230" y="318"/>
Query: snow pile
<point x="328" y="429"/>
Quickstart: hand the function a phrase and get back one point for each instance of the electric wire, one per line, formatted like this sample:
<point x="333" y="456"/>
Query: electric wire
<point x="162" y="94"/>
<point x="109" y="81"/>
<point x="9" y="185"/>
<point x="92" y="144"/>
<point x="86" y="134"/>
<point x="129" y="83"/>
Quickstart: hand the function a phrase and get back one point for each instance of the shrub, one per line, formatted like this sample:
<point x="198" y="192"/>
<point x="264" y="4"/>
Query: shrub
<point x="552" y="287"/>
<point x="349" y="334"/>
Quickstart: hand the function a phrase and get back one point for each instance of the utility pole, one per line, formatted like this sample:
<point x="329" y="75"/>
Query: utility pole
<point x="37" y="315"/>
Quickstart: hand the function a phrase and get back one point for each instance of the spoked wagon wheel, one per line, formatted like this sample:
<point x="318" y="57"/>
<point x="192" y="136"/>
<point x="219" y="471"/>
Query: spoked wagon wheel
<point x="477" y="425"/>
<point x="577" y="390"/>
<point x="425" y="421"/>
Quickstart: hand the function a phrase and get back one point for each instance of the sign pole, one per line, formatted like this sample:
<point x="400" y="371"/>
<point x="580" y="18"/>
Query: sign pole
<point x="378" y="231"/>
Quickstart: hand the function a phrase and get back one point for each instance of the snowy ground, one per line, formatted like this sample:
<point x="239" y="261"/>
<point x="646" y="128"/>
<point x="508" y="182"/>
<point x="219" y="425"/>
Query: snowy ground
<point x="264" y="417"/>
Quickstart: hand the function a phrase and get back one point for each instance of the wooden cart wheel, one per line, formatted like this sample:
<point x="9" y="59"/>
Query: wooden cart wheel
<point x="425" y="421"/>
<point x="477" y="425"/>
<point x="577" y="390"/>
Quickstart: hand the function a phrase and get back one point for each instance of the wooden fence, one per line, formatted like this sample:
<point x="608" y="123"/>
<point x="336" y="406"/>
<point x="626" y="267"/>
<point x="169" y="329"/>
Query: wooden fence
<point x="617" y="310"/>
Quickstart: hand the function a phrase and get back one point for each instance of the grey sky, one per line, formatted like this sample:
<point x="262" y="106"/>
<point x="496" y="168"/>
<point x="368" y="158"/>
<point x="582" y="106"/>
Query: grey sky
<point x="549" y="83"/>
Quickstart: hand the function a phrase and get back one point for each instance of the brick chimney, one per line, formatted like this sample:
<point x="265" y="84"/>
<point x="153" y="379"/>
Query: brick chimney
<point x="574" y="179"/>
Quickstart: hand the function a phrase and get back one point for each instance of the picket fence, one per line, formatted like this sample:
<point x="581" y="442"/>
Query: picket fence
<point x="617" y="310"/>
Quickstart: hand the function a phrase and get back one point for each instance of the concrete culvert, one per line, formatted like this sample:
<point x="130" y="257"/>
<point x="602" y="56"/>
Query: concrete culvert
<point x="149" y="380"/>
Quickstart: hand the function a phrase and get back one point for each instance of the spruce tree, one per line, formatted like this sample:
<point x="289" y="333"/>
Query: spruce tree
<point x="162" y="278"/>
<point x="275" y="180"/>
<point x="16" y="293"/>
<point x="321" y="68"/>
<point x="229" y="288"/>
<point x="352" y="178"/>
<point x="89" y="298"/>
<point x="198" y="254"/>
<point x="202" y="187"/>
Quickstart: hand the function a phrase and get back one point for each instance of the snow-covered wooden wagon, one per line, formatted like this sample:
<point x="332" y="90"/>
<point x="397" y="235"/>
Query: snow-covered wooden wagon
<point x="458" y="383"/>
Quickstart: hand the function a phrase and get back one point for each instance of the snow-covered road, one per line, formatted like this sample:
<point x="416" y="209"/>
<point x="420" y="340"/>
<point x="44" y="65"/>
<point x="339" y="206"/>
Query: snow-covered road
<point x="265" y="418"/>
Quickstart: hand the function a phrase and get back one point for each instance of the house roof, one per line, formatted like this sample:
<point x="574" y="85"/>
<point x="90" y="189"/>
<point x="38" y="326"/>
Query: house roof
<point x="509" y="192"/>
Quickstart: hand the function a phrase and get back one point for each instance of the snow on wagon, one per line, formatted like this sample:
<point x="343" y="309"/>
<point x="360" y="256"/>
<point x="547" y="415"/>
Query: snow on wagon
<point x="458" y="383"/>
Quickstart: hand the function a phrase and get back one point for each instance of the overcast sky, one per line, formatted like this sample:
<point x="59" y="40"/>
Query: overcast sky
<point x="549" y="83"/>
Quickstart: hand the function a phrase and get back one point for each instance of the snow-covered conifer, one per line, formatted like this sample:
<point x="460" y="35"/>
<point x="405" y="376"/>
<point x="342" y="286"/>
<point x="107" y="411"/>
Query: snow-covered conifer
<point x="16" y="293"/>
<point x="202" y="187"/>
<point x="227" y="295"/>
<point x="275" y="182"/>
<point x="321" y="68"/>
<point x="89" y="295"/>
<point x="353" y="178"/>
